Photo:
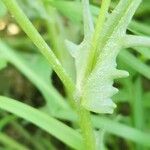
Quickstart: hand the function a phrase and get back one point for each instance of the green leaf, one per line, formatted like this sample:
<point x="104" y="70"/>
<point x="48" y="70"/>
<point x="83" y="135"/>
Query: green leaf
<point x="44" y="121"/>
<point x="135" y="63"/>
<point x="98" y="89"/>
<point x="80" y="52"/>
<point x="112" y="127"/>
<point x="10" y="143"/>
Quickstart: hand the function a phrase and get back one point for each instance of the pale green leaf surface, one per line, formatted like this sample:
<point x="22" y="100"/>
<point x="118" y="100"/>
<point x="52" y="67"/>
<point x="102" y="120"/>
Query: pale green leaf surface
<point x="80" y="52"/>
<point x="98" y="89"/>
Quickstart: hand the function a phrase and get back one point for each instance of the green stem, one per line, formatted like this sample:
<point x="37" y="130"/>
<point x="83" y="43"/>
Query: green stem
<point x="96" y="37"/>
<point x="44" y="121"/>
<point x="37" y="39"/>
<point x="85" y="118"/>
<point x="86" y="128"/>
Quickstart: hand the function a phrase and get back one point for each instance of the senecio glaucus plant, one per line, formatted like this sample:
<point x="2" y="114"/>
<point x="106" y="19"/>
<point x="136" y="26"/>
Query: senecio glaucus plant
<point x="95" y="65"/>
<point x="95" y="57"/>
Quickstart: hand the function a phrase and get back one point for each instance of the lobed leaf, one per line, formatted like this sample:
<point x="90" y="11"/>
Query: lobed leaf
<point x="97" y="89"/>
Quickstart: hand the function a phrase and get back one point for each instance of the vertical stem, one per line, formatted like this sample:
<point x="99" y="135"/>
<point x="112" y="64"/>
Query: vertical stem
<point x="86" y="128"/>
<point x="96" y="36"/>
<point x="85" y="119"/>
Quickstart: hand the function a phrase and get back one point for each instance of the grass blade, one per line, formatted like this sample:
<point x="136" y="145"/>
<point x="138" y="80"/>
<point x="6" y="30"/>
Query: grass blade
<point x="135" y="63"/>
<point x="122" y="130"/>
<point x="135" y="41"/>
<point x="42" y="120"/>
<point x="112" y="127"/>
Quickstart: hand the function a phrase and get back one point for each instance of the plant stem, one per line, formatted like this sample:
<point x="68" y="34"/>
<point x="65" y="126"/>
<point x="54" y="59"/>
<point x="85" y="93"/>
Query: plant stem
<point x="37" y="39"/>
<point x="86" y="128"/>
<point x="96" y="36"/>
<point x="85" y="118"/>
